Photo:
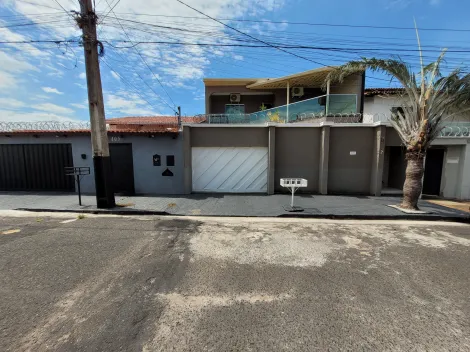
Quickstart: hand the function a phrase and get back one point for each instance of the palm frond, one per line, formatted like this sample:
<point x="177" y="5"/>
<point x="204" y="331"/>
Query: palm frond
<point x="426" y="103"/>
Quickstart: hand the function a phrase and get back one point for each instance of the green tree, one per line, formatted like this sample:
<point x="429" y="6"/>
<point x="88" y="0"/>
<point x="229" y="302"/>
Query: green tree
<point x="429" y="99"/>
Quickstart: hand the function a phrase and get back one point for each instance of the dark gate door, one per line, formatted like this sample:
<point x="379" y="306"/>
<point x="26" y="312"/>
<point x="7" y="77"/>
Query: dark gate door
<point x="397" y="167"/>
<point x="433" y="171"/>
<point x="35" y="167"/>
<point x="122" y="167"/>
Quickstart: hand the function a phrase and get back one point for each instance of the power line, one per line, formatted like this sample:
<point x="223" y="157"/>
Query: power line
<point x="143" y="80"/>
<point x="36" y="4"/>
<point x="290" y="40"/>
<point x="145" y="62"/>
<point x="276" y="46"/>
<point x="281" y="46"/>
<point x="301" y="23"/>
<point x="111" y="9"/>
<point x="250" y="36"/>
<point x="32" y="23"/>
<point x="129" y="84"/>
<point x="267" y="43"/>
<point x="58" y="3"/>
<point x="29" y="15"/>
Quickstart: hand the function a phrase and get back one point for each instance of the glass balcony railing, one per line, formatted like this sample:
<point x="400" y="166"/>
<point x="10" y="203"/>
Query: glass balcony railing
<point x="309" y="110"/>
<point x="342" y="104"/>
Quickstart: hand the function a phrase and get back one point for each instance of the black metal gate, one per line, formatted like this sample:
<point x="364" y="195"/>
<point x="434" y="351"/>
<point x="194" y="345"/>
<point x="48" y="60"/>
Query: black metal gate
<point x="122" y="166"/>
<point x="35" y="167"/>
<point x="433" y="171"/>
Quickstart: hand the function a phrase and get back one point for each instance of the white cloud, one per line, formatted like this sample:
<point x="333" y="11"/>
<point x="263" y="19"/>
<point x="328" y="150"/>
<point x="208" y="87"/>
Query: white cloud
<point x="10" y="103"/>
<point x="176" y="67"/>
<point x="40" y="97"/>
<point x="52" y="108"/>
<point x="10" y="36"/>
<point x="7" y="80"/>
<point x="397" y="4"/>
<point x="79" y="106"/>
<point x="12" y="62"/>
<point x="186" y="72"/>
<point x="125" y="103"/>
<point x="51" y="90"/>
<point x="115" y="75"/>
<point x="15" y="116"/>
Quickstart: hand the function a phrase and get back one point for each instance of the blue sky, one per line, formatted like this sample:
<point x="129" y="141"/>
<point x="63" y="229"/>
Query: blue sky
<point x="40" y="82"/>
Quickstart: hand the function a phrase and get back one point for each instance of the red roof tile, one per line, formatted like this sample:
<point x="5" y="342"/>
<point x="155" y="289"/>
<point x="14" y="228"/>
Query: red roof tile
<point x="159" y="120"/>
<point x="138" y="130"/>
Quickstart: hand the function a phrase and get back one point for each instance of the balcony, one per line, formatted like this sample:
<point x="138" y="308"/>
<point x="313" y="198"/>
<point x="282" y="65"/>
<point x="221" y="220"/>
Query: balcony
<point x="334" y="107"/>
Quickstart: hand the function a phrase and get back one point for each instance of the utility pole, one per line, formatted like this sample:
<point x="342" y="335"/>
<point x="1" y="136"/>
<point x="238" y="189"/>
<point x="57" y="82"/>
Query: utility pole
<point x="99" y="136"/>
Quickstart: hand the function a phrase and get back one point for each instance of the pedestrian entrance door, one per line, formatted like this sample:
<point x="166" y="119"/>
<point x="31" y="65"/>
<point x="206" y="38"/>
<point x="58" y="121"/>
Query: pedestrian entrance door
<point x="122" y="167"/>
<point x="433" y="172"/>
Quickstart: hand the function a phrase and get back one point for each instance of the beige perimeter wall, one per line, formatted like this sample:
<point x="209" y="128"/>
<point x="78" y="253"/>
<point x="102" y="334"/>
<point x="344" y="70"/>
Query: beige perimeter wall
<point x="350" y="160"/>
<point x="297" y="155"/>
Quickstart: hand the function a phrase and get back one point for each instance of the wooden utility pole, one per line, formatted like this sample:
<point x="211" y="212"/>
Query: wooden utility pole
<point x="99" y="137"/>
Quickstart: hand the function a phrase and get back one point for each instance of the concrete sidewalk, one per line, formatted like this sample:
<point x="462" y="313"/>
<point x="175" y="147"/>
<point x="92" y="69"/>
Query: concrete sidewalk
<point x="233" y="205"/>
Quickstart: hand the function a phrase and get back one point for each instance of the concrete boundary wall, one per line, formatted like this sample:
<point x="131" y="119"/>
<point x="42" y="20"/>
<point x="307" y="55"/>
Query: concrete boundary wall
<point x="148" y="179"/>
<point x="334" y="158"/>
<point x="350" y="160"/>
<point x="297" y="155"/>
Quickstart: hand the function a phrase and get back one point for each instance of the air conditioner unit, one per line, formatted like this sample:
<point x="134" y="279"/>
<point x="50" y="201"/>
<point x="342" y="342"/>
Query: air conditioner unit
<point x="235" y="97"/>
<point x="297" y="91"/>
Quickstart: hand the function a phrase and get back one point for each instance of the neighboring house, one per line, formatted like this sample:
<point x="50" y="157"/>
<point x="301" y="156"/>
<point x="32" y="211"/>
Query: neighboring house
<point x="380" y="102"/>
<point x="33" y="156"/>
<point x="293" y="98"/>
<point x="446" y="163"/>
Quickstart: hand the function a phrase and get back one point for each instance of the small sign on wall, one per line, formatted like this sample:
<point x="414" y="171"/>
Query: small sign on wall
<point x="157" y="160"/>
<point x="454" y="160"/>
<point x="352" y="152"/>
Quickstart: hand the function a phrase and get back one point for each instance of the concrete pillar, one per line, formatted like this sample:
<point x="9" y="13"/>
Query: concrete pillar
<point x="324" y="156"/>
<point x="188" y="186"/>
<point x="464" y="173"/>
<point x="378" y="156"/>
<point x="271" y="158"/>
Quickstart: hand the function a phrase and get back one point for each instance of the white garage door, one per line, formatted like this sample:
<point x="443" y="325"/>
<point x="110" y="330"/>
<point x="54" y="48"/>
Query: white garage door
<point x="230" y="170"/>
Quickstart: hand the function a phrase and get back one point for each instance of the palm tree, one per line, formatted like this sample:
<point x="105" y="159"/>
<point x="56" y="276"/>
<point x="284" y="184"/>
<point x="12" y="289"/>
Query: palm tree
<point x="429" y="99"/>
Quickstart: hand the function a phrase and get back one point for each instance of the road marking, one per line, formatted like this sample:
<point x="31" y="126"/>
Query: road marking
<point x="9" y="232"/>
<point x="67" y="221"/>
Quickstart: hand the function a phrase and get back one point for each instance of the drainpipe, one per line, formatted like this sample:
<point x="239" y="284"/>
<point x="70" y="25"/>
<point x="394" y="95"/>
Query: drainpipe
<point x="327" y="107"/>
<point x="287" y="115"/>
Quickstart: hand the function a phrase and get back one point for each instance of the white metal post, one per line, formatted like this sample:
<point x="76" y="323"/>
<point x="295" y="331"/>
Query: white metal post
<point x="292" y="199"/>
<point x="287" y="116"/>
<point x="327" y="107"/>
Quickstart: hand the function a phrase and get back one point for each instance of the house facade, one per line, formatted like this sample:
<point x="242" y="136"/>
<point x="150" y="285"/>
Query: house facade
<point x="447" y="163"/>
<point x="254" y="132"/>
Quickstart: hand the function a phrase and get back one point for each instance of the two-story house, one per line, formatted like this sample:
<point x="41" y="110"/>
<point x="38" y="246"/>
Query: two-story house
<point x="294" y="98"/>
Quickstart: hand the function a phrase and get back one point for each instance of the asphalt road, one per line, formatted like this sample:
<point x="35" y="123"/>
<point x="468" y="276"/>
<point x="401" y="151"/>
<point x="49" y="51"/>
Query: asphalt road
<point x="232" y="284"/>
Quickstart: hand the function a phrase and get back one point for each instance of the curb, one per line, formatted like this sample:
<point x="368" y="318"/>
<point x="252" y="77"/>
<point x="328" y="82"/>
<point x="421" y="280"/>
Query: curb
<point x="97" y="211"/>
<point x="416" y="217"/>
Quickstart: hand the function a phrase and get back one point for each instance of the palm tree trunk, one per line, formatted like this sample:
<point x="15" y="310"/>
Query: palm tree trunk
<point x="413" y="181"/>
